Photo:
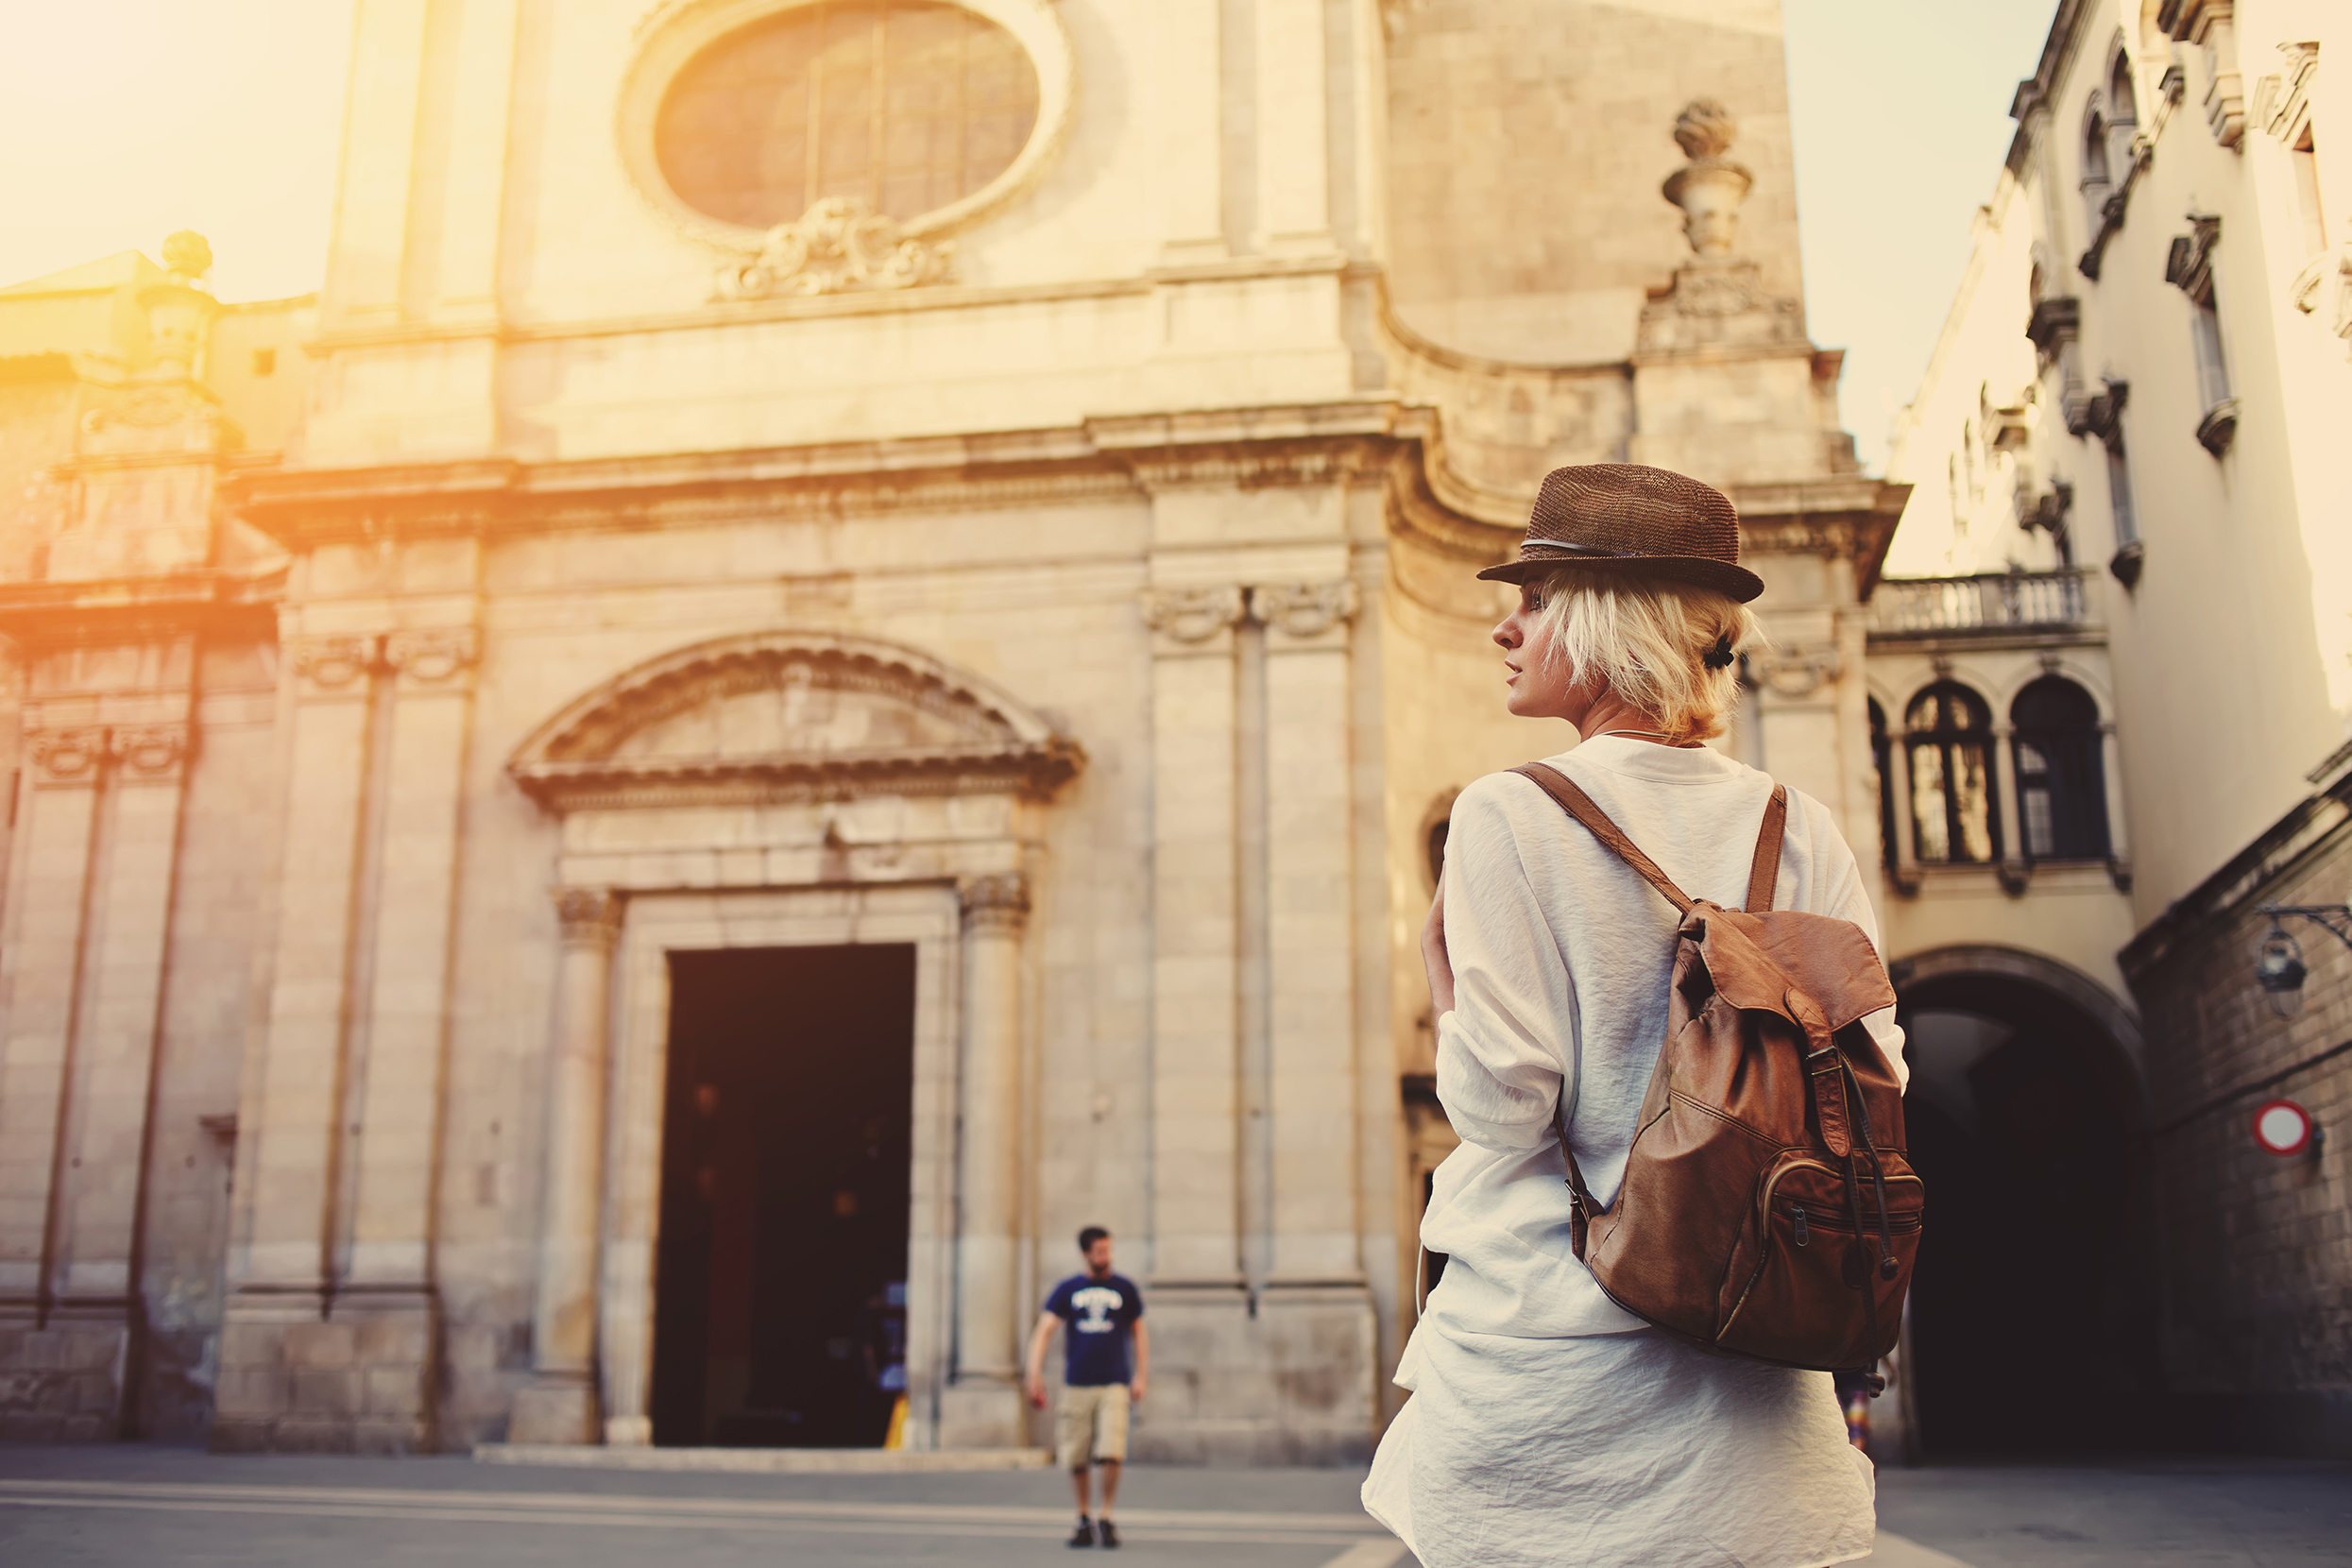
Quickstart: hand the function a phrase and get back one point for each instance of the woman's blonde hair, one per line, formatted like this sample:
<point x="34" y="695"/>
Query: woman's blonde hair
<point x="1650" y="639"/>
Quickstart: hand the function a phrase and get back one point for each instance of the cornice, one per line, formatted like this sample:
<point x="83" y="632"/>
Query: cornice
<point x="1032" y="772"/>
<point x="111" y="610"/>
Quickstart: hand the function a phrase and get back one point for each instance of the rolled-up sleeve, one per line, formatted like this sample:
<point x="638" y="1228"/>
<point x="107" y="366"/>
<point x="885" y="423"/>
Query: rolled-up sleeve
<point x="1503" y="1050"/>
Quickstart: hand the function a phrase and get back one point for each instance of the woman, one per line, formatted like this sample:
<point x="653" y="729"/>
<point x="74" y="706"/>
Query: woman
<point x="1548" y="1426"/>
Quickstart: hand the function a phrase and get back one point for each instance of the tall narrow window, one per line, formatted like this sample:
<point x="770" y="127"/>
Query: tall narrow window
<point x="2305" y="157"/>
<point x="2094" y="181"/>
<point x="2189" y="265"/>
<point x="1953" y="814"/>
<point x="2062" y="794"/>
<point x="2119" y="493"/>
<point x="2122" y="116"/>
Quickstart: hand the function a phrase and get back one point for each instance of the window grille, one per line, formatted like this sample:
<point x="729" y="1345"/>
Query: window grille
<point x="1953" y="816"/>
<point x="903" y="105"/>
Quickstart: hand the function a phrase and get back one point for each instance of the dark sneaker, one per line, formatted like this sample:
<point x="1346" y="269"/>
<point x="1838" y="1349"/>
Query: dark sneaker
<point x="1084" y="1534"/>
<point x="1107" y="1533"/>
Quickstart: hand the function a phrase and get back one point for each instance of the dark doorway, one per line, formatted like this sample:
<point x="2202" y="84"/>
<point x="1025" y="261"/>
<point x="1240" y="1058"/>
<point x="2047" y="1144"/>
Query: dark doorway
<point x="779" y="1304"/>
<point x="2033" y="1318"/>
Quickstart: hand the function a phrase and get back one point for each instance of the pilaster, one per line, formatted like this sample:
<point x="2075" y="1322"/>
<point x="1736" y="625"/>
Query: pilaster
<point x="1195" y="937"/>
<point x="1309" y="902"/>
<point x="562" y="1404"/>
<point x="981" y="1406"/>
<point x="289" y="1379"/>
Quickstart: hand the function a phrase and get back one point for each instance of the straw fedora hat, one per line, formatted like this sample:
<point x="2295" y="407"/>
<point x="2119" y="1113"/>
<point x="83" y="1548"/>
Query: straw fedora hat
<point x="1647" y="523"/>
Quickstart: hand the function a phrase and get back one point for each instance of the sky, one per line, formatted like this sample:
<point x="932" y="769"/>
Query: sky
<point x="122" y="120"/>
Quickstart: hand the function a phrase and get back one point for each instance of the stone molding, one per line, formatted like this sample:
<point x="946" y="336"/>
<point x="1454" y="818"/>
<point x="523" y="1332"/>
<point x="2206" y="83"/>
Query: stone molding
<point x="329" y="664"/>
<point x="432" y="656"/>
<point x="590" y="916"/>
<point x="671" y="33"/>
<point x="1304" y="610"/>
<point x="2282" y="101"/>
<point x="67" y="756"/>
<point x="2211" y="24"/>
<point x="571" y="763"/>
<point x="998" y="902"/>
<point x="837" y="246"/>
<point x="1194" y="615"/>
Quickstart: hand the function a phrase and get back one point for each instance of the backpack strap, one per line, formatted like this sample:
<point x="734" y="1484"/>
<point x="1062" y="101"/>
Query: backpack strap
<point x="1578" y="805"/>
<point x="1767" y="870"/>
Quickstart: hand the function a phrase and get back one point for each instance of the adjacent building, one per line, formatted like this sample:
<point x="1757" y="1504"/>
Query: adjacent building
<point x="2112" y="670"/>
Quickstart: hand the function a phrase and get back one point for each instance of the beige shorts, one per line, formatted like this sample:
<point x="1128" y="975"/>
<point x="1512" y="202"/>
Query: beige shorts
<point x="1093" y="1423"/>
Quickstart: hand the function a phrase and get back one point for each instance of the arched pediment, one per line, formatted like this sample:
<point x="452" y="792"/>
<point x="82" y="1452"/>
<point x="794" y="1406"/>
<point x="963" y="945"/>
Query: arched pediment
<point x="791" y="716"/>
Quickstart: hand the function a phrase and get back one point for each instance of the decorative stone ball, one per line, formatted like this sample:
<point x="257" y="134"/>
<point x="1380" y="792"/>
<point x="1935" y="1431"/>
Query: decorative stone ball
<point x="1704" y="129"/>
<point x="188" y="254"/>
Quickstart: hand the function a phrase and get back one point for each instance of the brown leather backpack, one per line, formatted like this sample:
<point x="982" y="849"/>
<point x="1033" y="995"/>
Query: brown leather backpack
<point x="1767" y="1210"/>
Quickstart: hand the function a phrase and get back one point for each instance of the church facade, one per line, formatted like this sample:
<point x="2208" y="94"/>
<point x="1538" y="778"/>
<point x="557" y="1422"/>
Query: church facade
<point x="839" y="646"/>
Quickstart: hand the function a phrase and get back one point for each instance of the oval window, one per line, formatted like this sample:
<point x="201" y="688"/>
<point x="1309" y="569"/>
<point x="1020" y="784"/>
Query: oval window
<point x="902" y="105"/>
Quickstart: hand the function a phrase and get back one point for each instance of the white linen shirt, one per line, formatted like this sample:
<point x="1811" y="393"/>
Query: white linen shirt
<point x="1562" y="957"/>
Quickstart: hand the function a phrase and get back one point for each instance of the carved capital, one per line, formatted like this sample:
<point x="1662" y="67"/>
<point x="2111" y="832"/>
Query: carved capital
<point x="590" y="915"/>
<point x="1795" y="672"/>
<point x="67" y="756"/>
<point x="995" y="903"/>
<point x="331" y="663"/>
<point x="838" y="247"/>
<point x="1304" y="609"/>
<point x="150" y="751"/>
<point x="1192" y="615"/>
<point x="432" y="655"/>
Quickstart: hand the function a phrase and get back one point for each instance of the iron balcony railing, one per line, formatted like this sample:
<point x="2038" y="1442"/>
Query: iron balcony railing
<point x="2003" y="601"/>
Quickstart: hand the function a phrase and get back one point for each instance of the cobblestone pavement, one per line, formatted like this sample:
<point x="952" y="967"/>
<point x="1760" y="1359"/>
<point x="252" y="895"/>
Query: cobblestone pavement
<point x="162" y="1507"/>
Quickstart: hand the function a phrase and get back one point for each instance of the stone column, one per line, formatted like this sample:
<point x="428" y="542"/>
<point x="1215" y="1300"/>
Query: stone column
<point x="42" y="963"/>
<point x="388" y="1291"/>
<point x="1195" y="996"/>
<point x="560" y="1404"/>
<point x="1310" y="969"/>
<point x="2012" y="869"/>
<point x="988" y="1332"/>
<point x="1906" y="830"/>
<point x="287" y="1378"/>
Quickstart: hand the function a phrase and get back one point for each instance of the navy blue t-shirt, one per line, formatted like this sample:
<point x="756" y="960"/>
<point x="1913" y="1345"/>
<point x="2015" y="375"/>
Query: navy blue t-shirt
<point x="1098" y="1313"/>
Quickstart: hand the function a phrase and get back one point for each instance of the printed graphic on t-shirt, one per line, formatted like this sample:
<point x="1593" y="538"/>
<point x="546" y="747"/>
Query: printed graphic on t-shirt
<point x="1098" y="1313"/>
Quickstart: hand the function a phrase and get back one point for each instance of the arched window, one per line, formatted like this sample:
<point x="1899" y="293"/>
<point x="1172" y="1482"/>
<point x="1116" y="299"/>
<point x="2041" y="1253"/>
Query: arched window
<point x="904" y="105"/>
<point x="2062" y="791"/>
<point x="2095" y="184"/>
<point x="1883" y="772"/>
<point x="1950" y="741"/>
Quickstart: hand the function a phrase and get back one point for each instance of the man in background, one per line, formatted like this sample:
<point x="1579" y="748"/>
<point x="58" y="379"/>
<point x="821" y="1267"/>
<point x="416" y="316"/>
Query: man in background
<point x="1099" y="1377"/>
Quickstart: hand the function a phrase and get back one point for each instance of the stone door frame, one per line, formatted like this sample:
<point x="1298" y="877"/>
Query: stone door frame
<point x="658" y="923"/>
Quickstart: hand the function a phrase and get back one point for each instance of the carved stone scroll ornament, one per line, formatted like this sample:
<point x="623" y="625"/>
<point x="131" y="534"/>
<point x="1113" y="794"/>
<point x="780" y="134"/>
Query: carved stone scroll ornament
<point x="838" y="247"/>
<point x="589" y="914"/>
<point x="67" y="756"/>
<point x="1304" y="610"/>
<point x="150" y="751"/>
<point x="331" y="662"/>
<point x="1000" y="902"/>
<point x="1192" y="615"/>
<point x="432" y="655"/>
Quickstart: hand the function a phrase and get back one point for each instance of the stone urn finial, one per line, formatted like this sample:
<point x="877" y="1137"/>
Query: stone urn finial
<point x="179" y="309"/>
<point x="1710" y="186"/>
<point x="187" y="256"/>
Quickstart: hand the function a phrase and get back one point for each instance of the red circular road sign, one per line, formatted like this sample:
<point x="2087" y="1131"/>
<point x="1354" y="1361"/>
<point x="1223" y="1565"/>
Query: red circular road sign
<point x="2282" y="1127"/>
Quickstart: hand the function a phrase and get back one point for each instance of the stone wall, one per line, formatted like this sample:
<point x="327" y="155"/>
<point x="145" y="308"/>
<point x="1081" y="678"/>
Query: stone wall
<point x="2258" y="1250"/>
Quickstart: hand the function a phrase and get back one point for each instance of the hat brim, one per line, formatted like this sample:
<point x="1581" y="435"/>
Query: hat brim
<point x="1704" y="572"/>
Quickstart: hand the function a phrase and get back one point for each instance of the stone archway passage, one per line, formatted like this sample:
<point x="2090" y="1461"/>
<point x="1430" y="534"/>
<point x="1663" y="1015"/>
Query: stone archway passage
<point x="2024" y="1118"/>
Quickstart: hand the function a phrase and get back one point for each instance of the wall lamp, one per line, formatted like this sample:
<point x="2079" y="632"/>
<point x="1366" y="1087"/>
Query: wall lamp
<point x="2278" y="965"/>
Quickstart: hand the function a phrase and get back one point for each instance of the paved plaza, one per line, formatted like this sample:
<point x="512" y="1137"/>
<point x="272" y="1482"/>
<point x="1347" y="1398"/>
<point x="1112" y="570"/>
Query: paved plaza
<point x="164" y="1507"/>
